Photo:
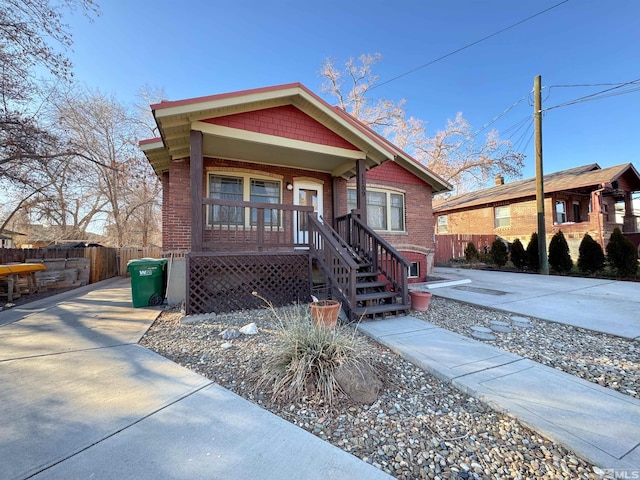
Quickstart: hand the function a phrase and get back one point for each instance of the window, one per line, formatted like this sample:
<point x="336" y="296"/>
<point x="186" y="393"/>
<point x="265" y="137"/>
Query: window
<point x="502" y="216"/>
<point x="561" y="212"/>
<point x="226" y="188"/>
<point x="414" y="270"/>
<point x="242" y="188"/>
<point x="265" y="191"/>
<point x="443" y="224"/>
<point x="385" y="210"/>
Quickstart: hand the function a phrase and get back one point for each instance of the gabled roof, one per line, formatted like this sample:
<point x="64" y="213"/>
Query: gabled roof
<point x="590" y="175"/>
<point x="175" y="119"/>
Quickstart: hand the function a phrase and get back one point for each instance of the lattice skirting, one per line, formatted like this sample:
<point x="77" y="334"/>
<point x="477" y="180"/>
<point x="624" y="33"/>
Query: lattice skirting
<point x="220" y="283"/>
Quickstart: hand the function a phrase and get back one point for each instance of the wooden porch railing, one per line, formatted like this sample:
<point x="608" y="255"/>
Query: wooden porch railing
<point x="335" y="262"/>
<point x="232" y="225"/>
<point x="369" y="245"/>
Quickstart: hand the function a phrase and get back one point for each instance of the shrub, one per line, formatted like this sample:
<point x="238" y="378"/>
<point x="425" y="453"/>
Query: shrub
<point x="471" y="253"/>
<point x="306" y="357"/>
<point x="559" y="256"/>
<point x="498" y="252"/>
<point x="590" y="255"/>
<point x="533" y="255"/>
<point x="518" y="254"/>
<point x="622" y="254"/>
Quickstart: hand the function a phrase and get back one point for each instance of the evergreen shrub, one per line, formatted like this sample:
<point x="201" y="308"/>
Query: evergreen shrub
<point x="533" y="256"/>
<point x="622" y="254"/>
<point x="518" y="254"/>
<point x="559" y="256"/>
<point x="590" y="255"/>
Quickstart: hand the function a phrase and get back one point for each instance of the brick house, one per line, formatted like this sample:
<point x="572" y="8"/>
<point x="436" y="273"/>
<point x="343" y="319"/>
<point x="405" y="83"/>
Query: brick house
<point x="577" y="201"/>
<point x="275" y="191"/>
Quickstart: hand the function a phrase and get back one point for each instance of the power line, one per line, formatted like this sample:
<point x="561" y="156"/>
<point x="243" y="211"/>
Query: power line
<point x="588" y="85"/>
<point x="500" y="115"/>
<point x="467" y="46"/>
<point x="599" y="95"/>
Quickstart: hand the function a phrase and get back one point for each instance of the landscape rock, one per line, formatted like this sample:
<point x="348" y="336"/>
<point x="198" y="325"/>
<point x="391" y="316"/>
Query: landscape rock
<point x="230" y="333"/>
<point x="249" y="329"/>
<point x="359" y="381"/>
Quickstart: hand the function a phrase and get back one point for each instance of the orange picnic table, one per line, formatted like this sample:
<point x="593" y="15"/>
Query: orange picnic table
<point x="10" y="273"/>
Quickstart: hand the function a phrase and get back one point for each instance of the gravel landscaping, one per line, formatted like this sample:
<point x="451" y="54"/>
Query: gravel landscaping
<point x="610" y="361"/>
<point x="419" y="427"/>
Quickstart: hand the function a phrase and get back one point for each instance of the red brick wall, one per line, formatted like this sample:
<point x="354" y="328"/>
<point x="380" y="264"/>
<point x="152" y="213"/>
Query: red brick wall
<point x="392" y="172"/>
<point x="418" y="240"/>
<point x="287" y="122"/>
<point x="524" y="221"/>
<point x="176" y="228"/>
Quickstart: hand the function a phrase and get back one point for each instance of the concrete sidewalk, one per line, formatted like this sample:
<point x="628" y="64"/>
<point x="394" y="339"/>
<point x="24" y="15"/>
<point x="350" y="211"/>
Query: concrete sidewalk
<point x="80" y="399"/>
<point x="607" y="306"/>
<point x="599" y="424"/>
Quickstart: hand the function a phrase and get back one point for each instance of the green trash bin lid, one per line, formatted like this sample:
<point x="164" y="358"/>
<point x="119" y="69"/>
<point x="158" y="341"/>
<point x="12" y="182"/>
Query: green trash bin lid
<point x="145" y="262"/>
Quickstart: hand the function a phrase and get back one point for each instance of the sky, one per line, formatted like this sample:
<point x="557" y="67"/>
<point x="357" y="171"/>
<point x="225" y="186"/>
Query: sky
<point x="204" y="47"/>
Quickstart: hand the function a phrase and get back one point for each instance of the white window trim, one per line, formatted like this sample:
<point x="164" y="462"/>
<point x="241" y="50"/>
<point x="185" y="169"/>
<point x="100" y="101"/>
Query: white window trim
<point x="417" y="269"/>
<point x="247" y="176"/>
<point x="445" y="224"/>
<point x="496" y="217"/>
<point x="388" y="192"/>
<point x="564" y="211"/>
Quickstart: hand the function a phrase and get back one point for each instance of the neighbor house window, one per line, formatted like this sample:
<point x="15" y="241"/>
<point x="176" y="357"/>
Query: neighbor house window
<point x="561" y="212"/>
<point x="242" y="188"/>
<point x="502" y="216"/>
<point x="385" y="209"/>
<point x="443" y="224"/>
<point x="414" y="270"/>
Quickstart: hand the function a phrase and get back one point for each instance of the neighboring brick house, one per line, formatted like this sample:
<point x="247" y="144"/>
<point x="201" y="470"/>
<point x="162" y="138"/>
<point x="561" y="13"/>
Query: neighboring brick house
<point x="577" y="201"/>
<point x="247" y="174"/>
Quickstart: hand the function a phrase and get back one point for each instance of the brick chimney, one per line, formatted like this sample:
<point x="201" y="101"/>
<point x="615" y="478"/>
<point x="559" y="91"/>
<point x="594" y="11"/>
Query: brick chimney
<point x="499" y="180"/>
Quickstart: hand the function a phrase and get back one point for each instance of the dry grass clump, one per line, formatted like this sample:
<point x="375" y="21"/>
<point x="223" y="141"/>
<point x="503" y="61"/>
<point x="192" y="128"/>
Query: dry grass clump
<point x="304" y="360"/>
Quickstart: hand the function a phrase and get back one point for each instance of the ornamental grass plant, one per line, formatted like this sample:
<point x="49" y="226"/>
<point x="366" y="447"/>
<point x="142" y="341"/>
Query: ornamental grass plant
<point x="305" y="358"/>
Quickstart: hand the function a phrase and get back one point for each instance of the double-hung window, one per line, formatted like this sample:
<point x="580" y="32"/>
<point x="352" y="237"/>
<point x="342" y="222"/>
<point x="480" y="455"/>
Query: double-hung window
<point x="502" y="216"/>
<point x="385" y="209"/>
<point x="443" y="224"/>
<point x="242" y="188"/>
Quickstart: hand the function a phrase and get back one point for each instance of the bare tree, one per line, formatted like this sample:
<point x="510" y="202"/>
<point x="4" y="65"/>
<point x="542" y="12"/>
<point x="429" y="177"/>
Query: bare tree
<point x="454" y="153"/>
<point x="33" y="40"/>
<point x="124" y="189"/>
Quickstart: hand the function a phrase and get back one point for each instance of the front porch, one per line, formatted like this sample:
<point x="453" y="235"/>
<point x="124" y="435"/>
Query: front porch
<point x="285" y="253"/>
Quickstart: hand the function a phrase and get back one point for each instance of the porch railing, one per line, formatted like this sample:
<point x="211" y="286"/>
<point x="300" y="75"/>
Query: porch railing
<point x="232" y="225"/>
<point x="384" y="258"/>
<point x="334" y="261"/>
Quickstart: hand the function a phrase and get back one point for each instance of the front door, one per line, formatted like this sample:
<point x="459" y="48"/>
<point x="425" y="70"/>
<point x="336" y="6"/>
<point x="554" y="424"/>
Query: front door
<point x="306" y="193"/>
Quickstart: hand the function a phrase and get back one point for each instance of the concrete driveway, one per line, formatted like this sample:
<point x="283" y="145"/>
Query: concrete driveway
<point x="607" y="306"/>
<point x="80" y="399"/>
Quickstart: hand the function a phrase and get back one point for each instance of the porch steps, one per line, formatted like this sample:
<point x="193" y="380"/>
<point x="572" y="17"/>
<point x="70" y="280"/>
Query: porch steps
<point x="374" y="298"/>
<point x="384" y="310"/>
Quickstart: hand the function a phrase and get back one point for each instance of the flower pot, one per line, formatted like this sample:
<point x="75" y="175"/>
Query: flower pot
<point x="325" y="312"/>
<point x="420" y="300"/>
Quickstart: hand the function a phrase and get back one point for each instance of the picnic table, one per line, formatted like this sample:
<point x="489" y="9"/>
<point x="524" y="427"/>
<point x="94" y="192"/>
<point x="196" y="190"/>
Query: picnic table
<point x="12" y="271"/>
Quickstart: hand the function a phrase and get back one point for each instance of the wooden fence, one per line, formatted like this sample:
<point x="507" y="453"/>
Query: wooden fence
<point x="104" y="262"/>
<point x="453" y="245"/>
<point x="126" y="254"/>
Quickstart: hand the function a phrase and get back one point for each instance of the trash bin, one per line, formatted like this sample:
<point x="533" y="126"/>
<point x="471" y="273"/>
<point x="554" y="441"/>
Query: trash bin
<point x="148" y="281"/>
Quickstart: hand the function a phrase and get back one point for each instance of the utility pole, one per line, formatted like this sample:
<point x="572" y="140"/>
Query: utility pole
<point x="542" y="231"/>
